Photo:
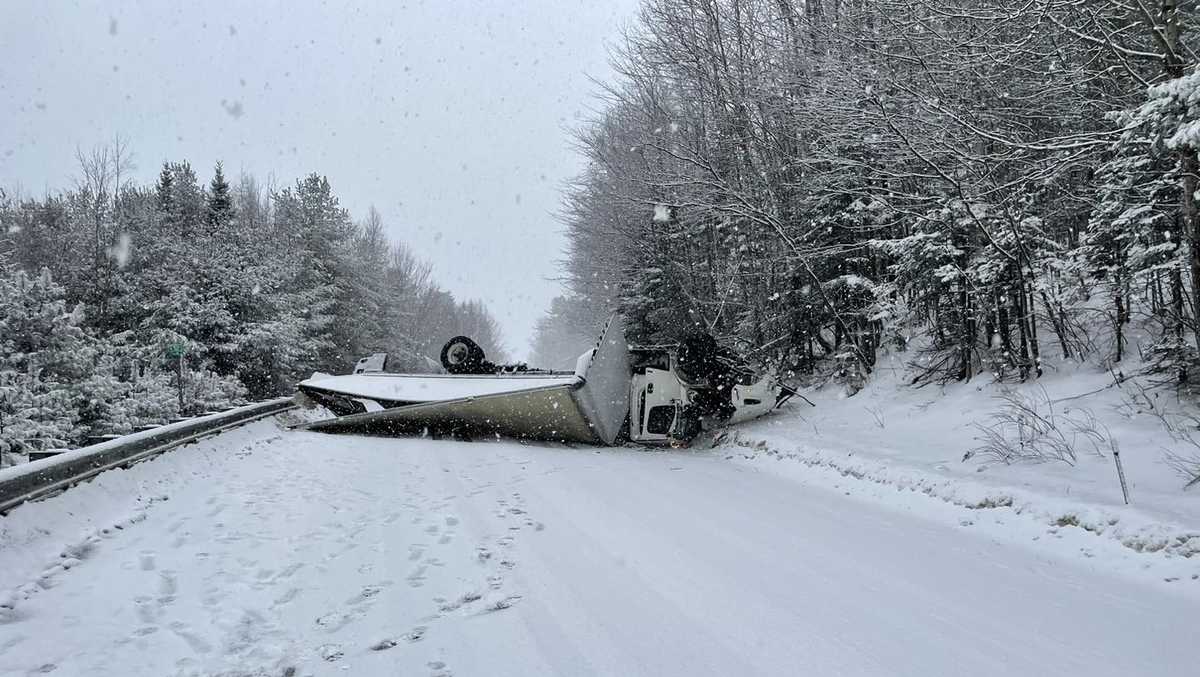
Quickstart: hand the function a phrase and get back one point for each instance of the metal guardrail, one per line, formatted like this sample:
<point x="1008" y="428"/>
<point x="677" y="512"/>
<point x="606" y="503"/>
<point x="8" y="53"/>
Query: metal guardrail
<point x="42" y="478"/>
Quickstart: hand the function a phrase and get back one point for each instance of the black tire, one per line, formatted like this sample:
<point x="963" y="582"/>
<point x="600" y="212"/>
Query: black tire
<point x="461" y="355"/>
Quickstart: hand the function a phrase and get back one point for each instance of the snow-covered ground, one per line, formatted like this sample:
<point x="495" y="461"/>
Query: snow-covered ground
<point x="270" y="552"/>
<point x="892" y="440"/>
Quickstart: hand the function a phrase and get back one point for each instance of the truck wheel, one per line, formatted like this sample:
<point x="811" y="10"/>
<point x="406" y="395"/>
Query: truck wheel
<point x="461" y="355"/>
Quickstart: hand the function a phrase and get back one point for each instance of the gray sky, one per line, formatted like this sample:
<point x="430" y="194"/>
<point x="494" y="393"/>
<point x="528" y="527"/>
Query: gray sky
<point x="451" y="117"/>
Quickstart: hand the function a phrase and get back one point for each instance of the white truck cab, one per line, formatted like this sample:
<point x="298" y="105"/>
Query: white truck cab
<point x="656" y="397"/>
<point x="661" y="399"/>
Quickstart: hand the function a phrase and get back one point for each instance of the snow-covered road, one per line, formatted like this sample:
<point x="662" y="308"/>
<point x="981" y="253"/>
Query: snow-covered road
<point x="285" y="553"/>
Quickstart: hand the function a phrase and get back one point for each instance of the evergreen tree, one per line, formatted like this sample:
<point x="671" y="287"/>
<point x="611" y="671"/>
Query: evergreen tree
<point x="219" y="210"/>
<point x="40" y="360"/>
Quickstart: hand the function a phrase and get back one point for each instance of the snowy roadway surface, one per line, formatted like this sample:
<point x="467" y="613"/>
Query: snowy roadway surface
<point x="270" y="552"/>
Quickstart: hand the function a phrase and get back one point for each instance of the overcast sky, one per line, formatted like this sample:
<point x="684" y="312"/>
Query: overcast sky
<point x="450" y="116"/>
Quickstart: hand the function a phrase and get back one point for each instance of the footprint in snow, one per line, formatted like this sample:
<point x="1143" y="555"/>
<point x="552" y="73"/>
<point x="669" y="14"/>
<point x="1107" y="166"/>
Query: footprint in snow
<point x="411" y="637"/>
<point x="286" y="597"/>
<point x="364" y="595"/>
<point x="417" y="578"/>
<point x="466" y="599"/>
<point x="146" y="612"/>
<point x="330" y="652"/>
<point x="493" y="605"/>
<point x="333" y="621"/>
<point x="194" y="641"/>
<point x="168" y="585"/>
<point x="369" y="592"/>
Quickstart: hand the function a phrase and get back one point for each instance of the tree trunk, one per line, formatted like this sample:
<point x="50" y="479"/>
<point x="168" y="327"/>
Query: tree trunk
<point x="1005" y="329"/>
<point x="1171" y="32"/>
<point x="1119" y="325"/>
<point x="1191" y="227"/>
<point x="1035" y="349"/>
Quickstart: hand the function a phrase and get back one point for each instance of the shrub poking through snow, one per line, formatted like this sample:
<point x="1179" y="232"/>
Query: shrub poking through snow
<point x="1180" y="423"/>
<point x="1186" y="466"/>
<point x="1030" y="428"/>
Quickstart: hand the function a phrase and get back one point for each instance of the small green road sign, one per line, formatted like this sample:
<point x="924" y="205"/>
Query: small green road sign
<point x="176" y="350"/>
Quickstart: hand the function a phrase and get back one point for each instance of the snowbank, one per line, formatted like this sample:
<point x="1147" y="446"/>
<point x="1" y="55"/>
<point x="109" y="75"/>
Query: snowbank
<point x="905" y="446"/>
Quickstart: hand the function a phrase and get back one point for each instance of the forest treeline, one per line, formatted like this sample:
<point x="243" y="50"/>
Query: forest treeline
<point x="984" y="183"/>
<point x="111" y="290"/>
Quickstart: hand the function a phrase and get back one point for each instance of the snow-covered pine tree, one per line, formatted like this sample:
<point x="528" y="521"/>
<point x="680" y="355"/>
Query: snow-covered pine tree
<point x="40" y="364"/>
<point x="1145" y="229"/>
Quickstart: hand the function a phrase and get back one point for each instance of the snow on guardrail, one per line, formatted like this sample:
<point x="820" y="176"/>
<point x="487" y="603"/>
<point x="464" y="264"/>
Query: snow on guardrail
<point x="42" y="477"/>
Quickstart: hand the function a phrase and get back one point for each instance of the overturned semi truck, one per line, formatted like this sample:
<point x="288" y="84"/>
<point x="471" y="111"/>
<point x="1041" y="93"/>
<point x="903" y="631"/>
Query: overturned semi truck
<point x="617" y="393"/>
